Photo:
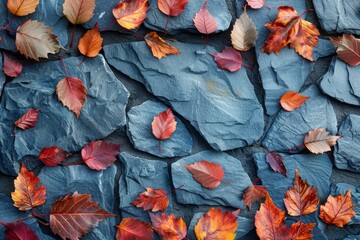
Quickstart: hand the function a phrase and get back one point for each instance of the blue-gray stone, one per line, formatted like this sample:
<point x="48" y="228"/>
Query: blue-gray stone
<point x="287" y="70"/>
<point x="140" y="132"/>
<point x="103" y="111"/>
<point x="137" y="175"/>
<point x="228" y="193"/>
<point x="221" y="105"/>
<point x="7" y="41"/>
<point x="352" y="237"/>
<point x="2" y="75"/>
<point x="289" y="128"/>
<point x="156" y="20"/>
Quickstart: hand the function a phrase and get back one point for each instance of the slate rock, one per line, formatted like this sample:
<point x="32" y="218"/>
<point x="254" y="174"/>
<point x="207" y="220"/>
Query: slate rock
<point x="225" y="194"/>
<point x="103" y="112"/>
<point x="289" y="128"/>
<point x="2" y="75"/>
<point x="140" y="132"/>
<point x="221" y="105"/>
<point x="137" y="175"/>
<point x="352" y="237"/>
<point x="156" y="20"/>
<point x="338" y="16"/>
<point x="287" y="70"/>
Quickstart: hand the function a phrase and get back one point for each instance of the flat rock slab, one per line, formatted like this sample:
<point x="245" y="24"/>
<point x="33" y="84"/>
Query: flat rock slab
<point x="221" y="105"/>
<point x="140" y="132"/>
<point x="277" y="71"/>
<point x="338" y="16"/>
<point x="289" y="128"/>
<point x="137" y="175"/>
<point x="226" y="194"/>
<point x="156" y="20"/>
<point x="103" y="112"/>
<point x="2" y="76"/>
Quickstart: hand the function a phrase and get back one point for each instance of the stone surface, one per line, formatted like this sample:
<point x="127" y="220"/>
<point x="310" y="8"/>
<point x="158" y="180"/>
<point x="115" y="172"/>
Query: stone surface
<point x="140" y="132"/>
<point x="156" y="20"/>
<point x="221" y="105"/>
<point x="2" y="75"/>
<point x="103" y="112"/>
<point x="137" y="175"/>
<point x="225" y="194"/>
<point x="338" y="16"/>
<point x="287" y="70"/>
<point x="289" y="128"/>
<point x="352" y="237"/>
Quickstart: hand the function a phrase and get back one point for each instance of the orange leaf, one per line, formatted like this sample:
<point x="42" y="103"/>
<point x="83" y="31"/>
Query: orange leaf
<point x="338" y="210"/>
<point x="254" y="194"/>
<point x="172" y="7"/>
<point x="72" y="93"/>
<point x="204" y="21"/>
<point x="348" y="48"/>
<point x="301" y="199"/>
<point x="164" y="125"/>
<point x="152" y="199"/>
<point x="22" y="7"/>
<point x="301" y="231"/>
<point x="79" y="11"/>
<point x="28" y="191"/>
<point x="52" y="156"/>
<point x="208" y="174"/>
<point x="168" y="227"/>
<point x="158" y="46"/>
<point x="90" y="43"/>
<point x="99" y="155"/>
<point x="131" y="13"/>
<point x="28" y="120"/>
<point x="216" y="225"/>
<point x="292" y="100"/>
<point x="289" y="28"/>
<point x="134" y="229"/>
<point x="319" y="141"/>
<point x="12" y="67"/>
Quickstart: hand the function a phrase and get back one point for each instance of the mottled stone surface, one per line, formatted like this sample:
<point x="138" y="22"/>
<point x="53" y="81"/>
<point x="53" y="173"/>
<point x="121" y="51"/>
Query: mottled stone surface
<point x="221" y="105"/>
<point x="2" y="75"/>
<point x="103" y="112"/>
<point x="289" y="128"/>
<point x="352" y="237"/>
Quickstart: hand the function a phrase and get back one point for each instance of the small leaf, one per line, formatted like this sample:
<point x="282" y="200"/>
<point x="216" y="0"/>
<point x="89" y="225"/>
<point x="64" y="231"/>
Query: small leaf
<point x="168" y="227"/>
<point x="348" y="48"/>
<point x="208" y="174"/>
<point x="292" y="100"/>
<point x="22" y="7"/>
<point x="158" y="46"/>
<point x="134" y="229"/>
<point x="256" y="4"/>
<point x="244" y="34"/>
<point x="152" y="199"/>
<point x="28" y="120"/>
<point x="301" y="231"/>
<point x="319" y="141"/>
<point x="204" y="22"/>
<point x="164" y="125"/>
<point x="131" y="13"/>
<point x="12" y="67"/>
<point x="254" y="194"/>
<point x="91" y="43"/>
<point x="18" y="231"/>
<point x="228" y="59"/>
<point x="275" y="161"/>
<point x="52" y="156"/>
<point x="172" y="7"/>
<point x="79" y="11"/>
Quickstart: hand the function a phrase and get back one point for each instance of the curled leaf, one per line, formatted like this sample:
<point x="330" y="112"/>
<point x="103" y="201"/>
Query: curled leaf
<point x="79" y="11"/>
<point x="204" y="22"/>
<point x="134" y="229"/>
<point x="348" y="48"/>
<point x="275" y="160"/>
<point x="158" y="46"/>
<point x="22" y="7"/>
<point x="12" y="67"/>
<point x="164" y="125"/>
<point x="208" y="174"/>
<point x="131" y="13"/>
<point x="229" y="59"/>
<point x="168" y="227"/>
<point x="28" y="120"/>
<point x="90" y="44"/>
<point x="52" y="156"/>
<point x="292" y="100"/>
<point x="152" y="199"/>
<point x="319" y="141"/>
<point x="244" y="34"/>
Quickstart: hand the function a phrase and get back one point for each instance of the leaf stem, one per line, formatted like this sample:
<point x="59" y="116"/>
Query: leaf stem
<point x="296" y="147"/>
<point x="72" y="164"/>
<point x="84" y="59"/>
<point x="109" y="26"/>
<point x="306" y="11"/>
<point x="175" y="189"/>
<point x="72" y="36"/>
<point x="138" y="35"/>
<point x="24" y="218"/>
<point x="166" y="24"/>
<point x="63" y="63"/>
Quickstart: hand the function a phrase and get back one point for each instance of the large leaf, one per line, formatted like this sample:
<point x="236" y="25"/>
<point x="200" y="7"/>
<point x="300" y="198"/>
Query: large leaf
<point x="131" y="13"/>
<point x="292" y="100"/>
<point x="254" y="194"/>
<point x="52" y="156"/>
<point x="256" y="4"/>
<point x="319" y="141"/>
<point x="172" y="7"/>
<point x="208" y="174"/>
<point x="99" y="155"/>
<point x="90" y="44"/>
<point x="168" y="227"/>
<point x="348" y="48"/>
<point x="229" y="59"/>
<point x="164" y="125"/>
<point x="18" y="231"/>
<point x="22" y="7"/>
<point x="134" y="229"/>
<point x="275" y="160"/>
<point x="152" y="199"/>
<point x="244" y="34"/>
<point x="12" y="67"/>
<point x="204" y="21"/>
<point x="28" y="120"/>
<point x="159" y="47"/>
<point x="79" y="11"/>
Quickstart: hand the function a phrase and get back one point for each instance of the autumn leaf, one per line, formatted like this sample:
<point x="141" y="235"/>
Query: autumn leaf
<point x="134" y="229"/>
<point x="216" y="225"/>
<point x="337" y="210"/>
<point x="319" y="141"/>
<point x="159" y="47"/>
<point x="254" y="194"/>
<point x="168" y="227"/>
<point x="52" y="156"/>
<point x="90" y="44"/>
<point x="152" y="199"/>
<point x="301" y="231"/>
<point x="79" y="11"/>
<point x="28" y="120"/>
<point x="22" y="7"/>
<point x="172" y="7"/>
<point x="290" y="29"/>
<point x="229" y="59"/>
<point x="76" y="210"/>
<point x="275" y="160"/>
<point x="28" y="191"/>
<point x="164" y="125"/>
<point x="348" y="48"/>
<point x="99" y="155"/>
<point x="256" y="4"/>
<point x="301" y="198"/>
<point x="292" y="100"/>
<point x="12" y="67"/>
<point x="244" y="34"/>
<point x="208" y="174"/>
<point x="131" y="13"/>
<point x="204" y="22"/>
<point x="18" y="231"/>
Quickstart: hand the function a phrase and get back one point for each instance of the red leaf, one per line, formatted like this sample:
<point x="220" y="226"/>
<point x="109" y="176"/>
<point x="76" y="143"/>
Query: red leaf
<point x="52" y="156"/>
<point x="99" y="155"/>
<point x="256" y="4"/>
<point x="164" y="125"/>
<point x="275" y="161"/>
<point x="12" y="67"/>
<point x="28" y="120"/>
<point x="134" y="229"/>
<point x="204" y="21"/>
<point x="19" y="231"/>
<point x="254" y="194"/>
<point x="228" y="59"/>
<point x="172" y="7"/>
<point x="208" y="174"/>
<point x="152" y="199"/>
<point x="292" y="100"/>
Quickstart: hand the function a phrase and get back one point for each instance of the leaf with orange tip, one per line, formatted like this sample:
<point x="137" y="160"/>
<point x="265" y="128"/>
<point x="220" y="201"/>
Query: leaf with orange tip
<point x="292" y="100"/>
<point x="172" y="7"/>
<point x="275" y="160"/>
<point x="168" y="227"/>
<point x="28" y="120"/>
<point x="131" y="13"/>
<point x="12" y="67"/>
<point x="79" y="11"/>
<point x="22" y="7"/>
<point x="348" y="48"/>
<point x="204" y="22"/>
<point x="256" y="4"/>
<point x="18" y="231"/>
<point x="319" y="141"/>
<point x="152" y="199"/>
<point x="164" y="125"/>
<point x="52" y="156"/>
<point x="134" y="229"/>
<point x="229" y="59"/>
<point x="208" y="174"/>
<point x="159" y="47"/>
<point x="254" y="194"/>
<point x="91" y="43"/>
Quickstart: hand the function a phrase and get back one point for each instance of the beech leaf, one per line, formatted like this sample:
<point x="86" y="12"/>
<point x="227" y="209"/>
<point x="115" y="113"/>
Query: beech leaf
<point x="164" y="125"/>
<point x="292" y="100"/>
<point x="90" y="44"/>
<point x="28" y="120"/>
<point x="319" y="141"/>
<point x="208" y="174"/>
<point x="172" y="7"/>
<point x="204" y="22"/>
<point x="254" y="194"/>
<point x="12" y="67"/>
<point x="22" y="7"/>
<point x="229" y="59"/>
<point x="131" y="13"/>
<point x="348" y="48"/>
<point x="79" y="11"/>
<point x="275" y="160"/>
<point x="159" y="47"/>
<point x="134" y="229"/>
<point x="168" y="227"/>
<point x="244" y="34"/>
<point x="18" y="231"/>
<point x="256" y="4"/>
<point x="152" y="199"/>
<point x="52" y="156"/>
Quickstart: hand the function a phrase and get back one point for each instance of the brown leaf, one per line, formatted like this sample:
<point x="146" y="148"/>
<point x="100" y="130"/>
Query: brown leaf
<point x="254" y="194"/>
<point x="164" y="125"/>
<point x="319" y="141"/>
<point x="348" y="48"/>
<point x="158" y="46"/>
<point x="152" y="199"/>
<point x="204" y="22"/>
<point x="244" y="34"/>
<point x="22" y="7"/>
<point x="134" y="229"/>
<point x="12" y="67"/>
<point x="208" y="174"/>
<point x="90" y="44"/>
<point x="131" y="13"/>
<point x="79" y="11"/>
<point x="292" y="100"/>
<point x="52" y="156"/>
<point x="301" y="231"/>
<point x="275" y="161"/>
<point x="28" y="120"/>
<point x="168" y="227"/>
<point x="99" y="155"/>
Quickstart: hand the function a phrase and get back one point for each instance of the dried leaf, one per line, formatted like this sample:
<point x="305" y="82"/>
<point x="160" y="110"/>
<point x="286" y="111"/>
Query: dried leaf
<point x="256" y="4"/>
<point x="229" y="59"/>
<point x="28" y="120"/>
<point x="90" y="44"/>
<point x="79" y="11"/>
<point x="131" y="13"/>
<point x="204" y="22"/>
<point x="348" y="48"/>
<point x="152" y="199"/>
<point x="168" y="227"/>
<point x="22" y="7"/>
<point x="319" y="141"/>
<point x="12" y="67"/>
<point x="99" y="155"/>
<point x="134" y="229"/>
<point x="292" y="100"/>
<point x="158" y="46"/>
<point x="244" y="34"/>
<point x="208" y="174"/>
<point x="52" y="156"/>
<point x="18" y="231"/>
<point x="254" y="194"/>
<point x="172" y="7"/>
<point x="275" y="161"/>
<point x="301" y="231"/>
<point x="164" y="125"/>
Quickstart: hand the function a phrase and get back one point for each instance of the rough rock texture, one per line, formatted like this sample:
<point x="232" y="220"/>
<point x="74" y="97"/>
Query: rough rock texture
<point x="103" y="112"/>
<point x="338" y="16"/>
<point x="140" y="132"/>
<point x="340" y="82"/>
<point x="156" y="20"/>
<point x="225" y="194"/>
<point x="2" y="76"/>
<point x="137" y="175"/>
<point x="221" y="105"/>
<point x="287" y="70"/>
<point x="352" y="237"/>
<point x="289" y="128"/>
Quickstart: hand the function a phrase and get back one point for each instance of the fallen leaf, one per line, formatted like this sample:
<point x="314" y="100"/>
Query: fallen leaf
<point x="79" y="11"/>
<point x="216" y="225"/>
<point x="18" y="231"/>
<point x="229" y="59"/>
<point x="275" y="160"/>
<point x="208" y="174"/>
<point x="152" y="199"/>
<point x="348" y="48"/>
<point x="52" y="156"/>
<point x="131" y="13"/>
<point x="204" y="22"/>
<point x="28" y="120"/>
<point x="292" y="100"/>
<point x="290" y="29"/>
<point x="319" y="141"/>
<point x="172" y="7"/>
<point x="158" y="46"/>
<point x="73" y="216"/>
<point x="337" y="210"/>
<point x="168" y="227"/>
<point x="134" y="229"/>
<point x="256" y="4"/>
<point x="301" y="231"/>
<point x="254" y="194"/>
<point x="28" y="191"/>
<point x="244" y="34"/>
<point x="12" y="67"/>
<point x="22" y="7"/>
<point x="90" y="44"/>
<point x="164" y="125"/>
<point x="34" y="40"/>
<point x="99" y="155"/>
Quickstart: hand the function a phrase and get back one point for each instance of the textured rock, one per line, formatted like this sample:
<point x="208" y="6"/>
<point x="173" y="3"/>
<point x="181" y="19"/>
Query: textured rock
<point x="137" y="175"/>
<point x="352" y="237"/>
<point x="103" y="112"/>
<point x="140" y="132"/>
<point x="287" y="70"/>
<point x="221" y="105"/>
<point x="338" y="16"/>
<point x="225" y="194"/>
<point x="289" y="128"/>
<point x="156" y="20"/>
<point x="2" y="76"/>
